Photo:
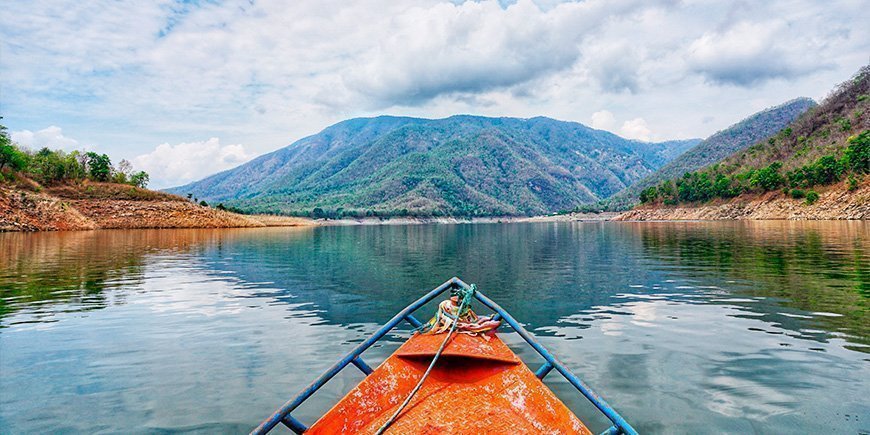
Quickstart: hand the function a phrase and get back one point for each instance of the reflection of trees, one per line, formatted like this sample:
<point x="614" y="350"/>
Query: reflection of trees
<point x="41" y="270"/>
<point x="810" y="266"/>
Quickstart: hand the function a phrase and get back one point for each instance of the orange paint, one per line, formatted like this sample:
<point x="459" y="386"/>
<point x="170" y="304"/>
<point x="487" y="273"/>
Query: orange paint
<point x="478" y="386"/>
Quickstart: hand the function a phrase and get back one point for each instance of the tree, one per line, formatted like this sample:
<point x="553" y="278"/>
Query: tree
<point x="648" y="195"/>
<point x="99" y="166"/>
<point x="11" y="157"/>
<point x="857" y="155"/>
<point x="140" y="179"/>
<point x="828" y="170"/>
<point x="767" y="178"/>
<point x="123" y="172"/>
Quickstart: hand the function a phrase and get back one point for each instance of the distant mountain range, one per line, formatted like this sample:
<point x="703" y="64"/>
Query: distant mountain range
<point x="719" y="146"/>
<point x="459" y="166"/>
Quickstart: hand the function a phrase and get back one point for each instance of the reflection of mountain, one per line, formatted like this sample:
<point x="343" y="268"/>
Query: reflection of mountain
<point x="366" y="274"/>
<point x="817" y="268"/>
<point x="543" y="273"/>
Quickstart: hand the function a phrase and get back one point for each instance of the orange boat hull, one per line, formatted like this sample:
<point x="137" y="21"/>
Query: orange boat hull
<point x="477" y="386"/>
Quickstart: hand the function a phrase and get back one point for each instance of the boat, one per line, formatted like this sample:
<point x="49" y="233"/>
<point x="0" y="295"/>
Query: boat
<point x="453" y="375"/>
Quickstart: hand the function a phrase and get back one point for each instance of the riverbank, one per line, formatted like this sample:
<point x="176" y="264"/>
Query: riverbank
<point x="835" y="202"/>
<point x="569" y="217"/>
<point x="27" y="206"/>
<point x="90" y="206"/>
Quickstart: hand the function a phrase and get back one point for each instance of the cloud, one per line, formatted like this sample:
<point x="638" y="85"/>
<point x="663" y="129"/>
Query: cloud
<point x="173" y="165"/>
<point x="126" y="75"/>
<point x="636" y="129"/>
<point x="749" y="53"/>
<point x="615" y="67"/>
<point x="477" y="46"/>
<point x="603" y="120"/>
<point x="50" y="137"/>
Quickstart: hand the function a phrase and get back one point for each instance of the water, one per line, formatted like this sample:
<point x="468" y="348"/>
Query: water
<point x="683" y="327"/>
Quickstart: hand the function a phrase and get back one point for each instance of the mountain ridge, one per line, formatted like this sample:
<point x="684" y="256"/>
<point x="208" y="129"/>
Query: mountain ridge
<point x="462" y="165"/>
<point x="721" y="145"/>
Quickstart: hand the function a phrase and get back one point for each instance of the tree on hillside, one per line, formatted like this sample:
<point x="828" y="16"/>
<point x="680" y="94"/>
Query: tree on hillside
<point x="123" y="172"/>
<point x="99" y="166"/>
<point x="139" y="179"/>
<point x="10" y="156"/>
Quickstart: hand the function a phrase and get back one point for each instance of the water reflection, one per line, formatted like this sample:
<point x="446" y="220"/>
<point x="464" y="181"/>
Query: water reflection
<point x="739" y="327"/>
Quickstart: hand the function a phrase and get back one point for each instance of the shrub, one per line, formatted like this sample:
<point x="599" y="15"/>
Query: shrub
<point x="767" y="178"/>
<point x="853" y="183"/>
<point x="844" y="124"/>
<point x="812" y="196"/>
<point x="856" y="157"/>
<point x="797" y="193"/>
<point x="828" y="170"/>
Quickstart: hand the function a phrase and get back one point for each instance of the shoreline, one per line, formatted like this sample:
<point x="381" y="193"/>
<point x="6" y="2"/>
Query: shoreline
<point x="570" y="217"/>
<point x="835" y="203"/>
<point x="63" y="209"/>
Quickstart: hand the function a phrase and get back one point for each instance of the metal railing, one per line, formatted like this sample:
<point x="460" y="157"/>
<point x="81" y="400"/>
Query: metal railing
<point x="282" y="415"/>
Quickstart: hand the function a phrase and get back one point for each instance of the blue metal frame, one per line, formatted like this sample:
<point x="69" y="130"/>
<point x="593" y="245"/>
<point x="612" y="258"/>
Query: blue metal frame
<point x="282" y="415"/>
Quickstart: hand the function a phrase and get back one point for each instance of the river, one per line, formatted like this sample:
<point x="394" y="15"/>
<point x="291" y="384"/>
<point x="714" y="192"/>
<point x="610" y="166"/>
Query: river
<point x="693" y="327"/>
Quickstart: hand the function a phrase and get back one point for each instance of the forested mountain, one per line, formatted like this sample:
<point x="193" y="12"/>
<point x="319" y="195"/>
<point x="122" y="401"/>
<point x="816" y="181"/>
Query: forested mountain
<point x="719" y="146"/>
<point x="460" y="166"/>
<point x="829" y="143"/>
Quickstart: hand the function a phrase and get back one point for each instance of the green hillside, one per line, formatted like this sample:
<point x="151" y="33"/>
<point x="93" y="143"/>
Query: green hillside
<point x="827" y="144"/>
<point x="458" y="166"/>
<point x="719" y="146"/>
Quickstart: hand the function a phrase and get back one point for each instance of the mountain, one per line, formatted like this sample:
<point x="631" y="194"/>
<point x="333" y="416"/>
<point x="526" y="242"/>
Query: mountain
<point x="719" y="146"/>
<point x="828" y="144"/>
<point x="461" y="166"/>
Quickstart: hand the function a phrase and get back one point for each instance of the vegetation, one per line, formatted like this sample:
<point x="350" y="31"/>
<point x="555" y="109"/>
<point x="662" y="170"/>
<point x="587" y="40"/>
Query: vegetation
<point x="827" y="145"/>
<point x="50" y="167"/>
<point x="460" y="166"/>
<point x="755" y="128"/>
<point x="715" y="182"/>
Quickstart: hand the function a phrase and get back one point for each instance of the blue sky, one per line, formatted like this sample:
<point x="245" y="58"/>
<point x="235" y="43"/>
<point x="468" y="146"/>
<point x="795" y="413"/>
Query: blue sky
<point x="184" y="89"/>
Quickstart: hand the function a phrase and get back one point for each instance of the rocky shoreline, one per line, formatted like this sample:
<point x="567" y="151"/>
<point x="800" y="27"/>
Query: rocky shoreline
<point x="62" y="209"/>
<point x="835" y="203"/>
<point x="65" y="209"/>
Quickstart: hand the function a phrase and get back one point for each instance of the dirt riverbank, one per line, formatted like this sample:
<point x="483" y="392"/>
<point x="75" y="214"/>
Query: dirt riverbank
<point x="89" y="206"/>
<point x="835" y="202"/>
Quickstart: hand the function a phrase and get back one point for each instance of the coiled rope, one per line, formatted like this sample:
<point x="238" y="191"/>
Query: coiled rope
<point x="465" y="296"/>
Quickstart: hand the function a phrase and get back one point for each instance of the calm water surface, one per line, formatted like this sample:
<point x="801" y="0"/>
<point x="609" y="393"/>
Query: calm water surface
<point x="683" y="327"/>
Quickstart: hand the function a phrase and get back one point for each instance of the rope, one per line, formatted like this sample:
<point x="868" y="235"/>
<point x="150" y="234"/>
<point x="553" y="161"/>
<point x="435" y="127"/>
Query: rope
<point x="466" y="300"/>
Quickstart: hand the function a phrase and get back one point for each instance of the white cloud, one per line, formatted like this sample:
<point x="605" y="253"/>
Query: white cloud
<point x="132" y="74"/>
<point x="636" y="129"/>
<point x="751" y="52"/>
<point x="50" y="137"/>
<point x="173" y="165"/>
<point x="476" y="46"/>
<point x="603" y="120"/>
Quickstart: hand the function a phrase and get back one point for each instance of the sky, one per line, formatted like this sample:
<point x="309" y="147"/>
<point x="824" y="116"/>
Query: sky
<point x="184" y="89"/>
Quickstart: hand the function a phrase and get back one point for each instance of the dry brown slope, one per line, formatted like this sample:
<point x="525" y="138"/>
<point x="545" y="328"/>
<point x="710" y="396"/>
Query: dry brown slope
<point x="835" y="203"/>
<point x="25" y="206"/>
